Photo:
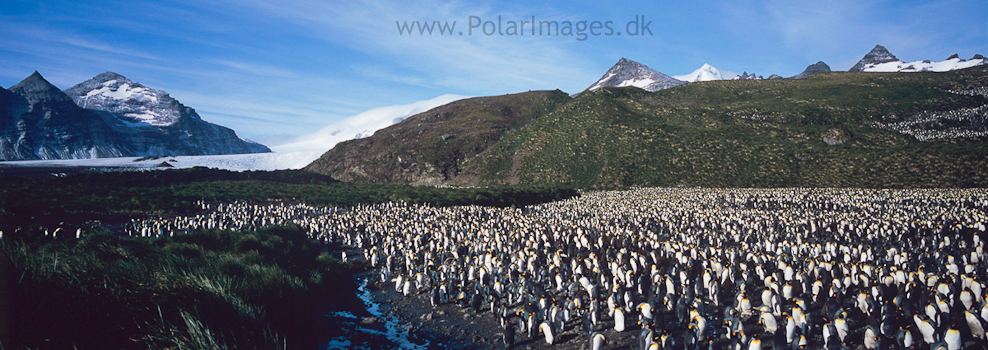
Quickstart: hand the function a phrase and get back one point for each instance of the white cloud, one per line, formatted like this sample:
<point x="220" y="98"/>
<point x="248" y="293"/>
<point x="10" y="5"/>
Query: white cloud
<point x="361" y="125"/>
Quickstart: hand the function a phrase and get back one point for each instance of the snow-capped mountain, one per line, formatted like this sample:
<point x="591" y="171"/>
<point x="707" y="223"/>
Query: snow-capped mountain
<point x="107" y="116"/>
<point x="630" y="73"/>
<point x="818" y="67"/>
<point x="877" y="55"/>
<point x="132" y="102"/>
<point x="704" y="73"/>
<point x="881" y="60"/>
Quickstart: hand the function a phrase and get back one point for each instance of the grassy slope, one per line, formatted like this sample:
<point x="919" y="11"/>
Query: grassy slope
<point x="694" y="135"/>
<point x="430" y="147"/>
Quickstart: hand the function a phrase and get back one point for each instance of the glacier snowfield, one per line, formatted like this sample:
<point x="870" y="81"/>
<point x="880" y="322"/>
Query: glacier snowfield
<point x="234" y="162"/>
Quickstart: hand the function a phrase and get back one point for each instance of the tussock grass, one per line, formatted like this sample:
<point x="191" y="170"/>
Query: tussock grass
<point x="263" y="289"/>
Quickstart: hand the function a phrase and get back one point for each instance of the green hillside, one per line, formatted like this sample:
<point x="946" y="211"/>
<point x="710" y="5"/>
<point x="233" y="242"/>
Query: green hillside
<point x="762" y="133"/>
<point x="430" y="148"/>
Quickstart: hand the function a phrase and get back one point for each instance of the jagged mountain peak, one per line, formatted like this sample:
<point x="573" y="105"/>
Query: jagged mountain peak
<point x="880" y="50"/>
<point x="630" y="73"/>
<point x="35" y="88"/>
<point x="877" y="55"/>
<point x="626" y="64"/>
<point x="34" y="82"/>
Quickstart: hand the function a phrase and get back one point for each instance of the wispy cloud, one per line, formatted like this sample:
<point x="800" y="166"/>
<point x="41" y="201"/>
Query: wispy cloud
<point x="49" y="37"/>
<point x="361" y="125"/>
<point x="98" y="46"/>
<point x="388" y="74"/>
<point x="258" y="69"/>
<point x="302" y="116"/>
<point x="481" y="64"/>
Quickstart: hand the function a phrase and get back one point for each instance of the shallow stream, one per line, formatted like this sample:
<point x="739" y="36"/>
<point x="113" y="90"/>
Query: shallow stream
<point x="379" y="330"/>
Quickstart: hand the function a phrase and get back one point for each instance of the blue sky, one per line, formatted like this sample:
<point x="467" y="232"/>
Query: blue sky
<point x="274" y="70"/>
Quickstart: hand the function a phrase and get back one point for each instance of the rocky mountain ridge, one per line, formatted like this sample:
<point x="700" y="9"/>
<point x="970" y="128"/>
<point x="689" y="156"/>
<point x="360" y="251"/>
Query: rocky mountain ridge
<point x="107" y="116"/>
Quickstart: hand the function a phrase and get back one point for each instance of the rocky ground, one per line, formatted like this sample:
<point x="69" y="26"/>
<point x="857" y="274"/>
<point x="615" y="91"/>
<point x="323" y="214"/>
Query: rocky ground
<point x="452" y="327"/>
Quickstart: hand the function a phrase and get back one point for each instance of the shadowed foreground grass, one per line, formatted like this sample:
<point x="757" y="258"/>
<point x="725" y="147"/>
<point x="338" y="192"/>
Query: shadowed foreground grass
<point x="265" y="289"/>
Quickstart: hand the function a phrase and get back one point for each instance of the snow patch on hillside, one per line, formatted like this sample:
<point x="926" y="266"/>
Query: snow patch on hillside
<point x="924" y="66"/>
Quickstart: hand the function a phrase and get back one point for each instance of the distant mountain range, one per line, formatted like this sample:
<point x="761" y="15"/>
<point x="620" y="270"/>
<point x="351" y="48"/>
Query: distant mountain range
<point x="878" y="60"/>
<point x="637" y="126"/>
<point x="752" y="76"/>
<point x="106" y="116"/>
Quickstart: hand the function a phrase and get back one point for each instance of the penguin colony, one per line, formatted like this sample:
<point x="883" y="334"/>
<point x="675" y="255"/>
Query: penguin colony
<point x="678" y="268"/>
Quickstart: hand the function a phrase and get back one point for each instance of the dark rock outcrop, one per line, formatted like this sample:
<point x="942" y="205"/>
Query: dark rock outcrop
<point x="818" y="67"/>
<point x="877" y="55"/>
